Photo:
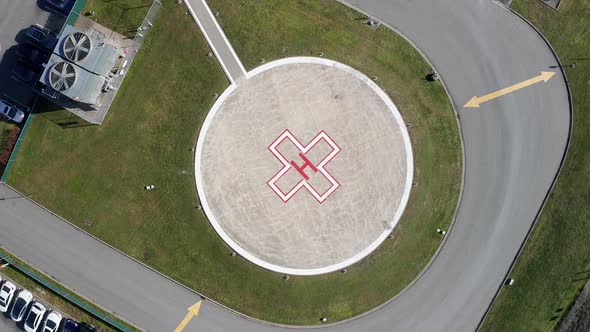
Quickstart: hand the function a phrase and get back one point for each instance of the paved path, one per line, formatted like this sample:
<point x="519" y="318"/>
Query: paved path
<point x="229" y="61"/>
<point x="513" y="146"/>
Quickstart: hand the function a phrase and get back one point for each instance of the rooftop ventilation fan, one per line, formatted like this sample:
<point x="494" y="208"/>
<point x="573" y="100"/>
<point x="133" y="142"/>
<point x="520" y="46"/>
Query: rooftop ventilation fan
<point x="62" y="76"/>
<point x="77" y="46"/>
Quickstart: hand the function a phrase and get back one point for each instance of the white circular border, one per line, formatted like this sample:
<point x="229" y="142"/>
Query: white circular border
<point x="334" y="267"/>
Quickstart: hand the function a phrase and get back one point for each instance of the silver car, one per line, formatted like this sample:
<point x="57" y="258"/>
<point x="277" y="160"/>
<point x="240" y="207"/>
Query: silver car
<point x="11" y="112"/>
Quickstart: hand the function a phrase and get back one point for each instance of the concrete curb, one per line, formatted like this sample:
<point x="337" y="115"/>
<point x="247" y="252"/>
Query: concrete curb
<point x="561" y="163"/>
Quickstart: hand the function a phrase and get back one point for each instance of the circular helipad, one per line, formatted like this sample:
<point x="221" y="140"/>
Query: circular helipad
<point x="304" y="167"/>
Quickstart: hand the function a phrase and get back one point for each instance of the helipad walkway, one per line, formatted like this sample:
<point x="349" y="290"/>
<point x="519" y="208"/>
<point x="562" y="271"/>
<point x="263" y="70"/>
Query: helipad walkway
<point x="231" y="64"/>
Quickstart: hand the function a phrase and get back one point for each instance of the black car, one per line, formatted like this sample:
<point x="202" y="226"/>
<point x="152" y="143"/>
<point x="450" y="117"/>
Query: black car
<point x="26" y="73"/>
<point x="32" y="54"/>
<point x="71" y="325"/>
<point x="62" y="7"/>
<point x="41" y="37"/>
<point x="85" y="327"/>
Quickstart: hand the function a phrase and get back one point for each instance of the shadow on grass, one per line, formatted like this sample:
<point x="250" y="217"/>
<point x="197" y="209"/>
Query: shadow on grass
<point x="58" y="116"/>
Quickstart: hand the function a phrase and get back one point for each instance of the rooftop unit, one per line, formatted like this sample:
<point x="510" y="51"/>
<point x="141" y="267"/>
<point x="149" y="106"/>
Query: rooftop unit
<point x="78" y="71"/>
<point x="88" y="62"/>
<point x="86" y="51"/>
<point x="69" y="80"/>
<point x="76" y="46"/>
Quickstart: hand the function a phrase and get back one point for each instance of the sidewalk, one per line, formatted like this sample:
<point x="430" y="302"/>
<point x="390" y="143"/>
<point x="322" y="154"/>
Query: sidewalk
<point x="231" y="64"/>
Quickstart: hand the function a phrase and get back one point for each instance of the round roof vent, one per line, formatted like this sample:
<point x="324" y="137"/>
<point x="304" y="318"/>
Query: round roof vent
<point x="62" y="76"/>
<point x="77" y="46"/>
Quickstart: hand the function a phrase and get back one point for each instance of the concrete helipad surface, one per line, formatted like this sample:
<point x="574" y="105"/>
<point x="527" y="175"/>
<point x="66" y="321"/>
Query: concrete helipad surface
<point x="304" y="167"/>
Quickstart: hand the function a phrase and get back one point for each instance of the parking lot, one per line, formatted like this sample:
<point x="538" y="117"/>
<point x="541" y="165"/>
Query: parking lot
<point x="21" y="15"/>
<point x="8" y="324"/>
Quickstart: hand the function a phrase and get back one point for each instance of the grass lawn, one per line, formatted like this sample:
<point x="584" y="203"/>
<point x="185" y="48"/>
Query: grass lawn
<point x="45" y="294"/>
<point x="555" y="263"/>
<point x="122" y="16"/>
<point x="94" y="176"/>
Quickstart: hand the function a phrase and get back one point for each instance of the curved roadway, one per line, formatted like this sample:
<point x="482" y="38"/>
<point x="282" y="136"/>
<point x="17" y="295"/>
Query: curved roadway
<point x="513" y="148"/>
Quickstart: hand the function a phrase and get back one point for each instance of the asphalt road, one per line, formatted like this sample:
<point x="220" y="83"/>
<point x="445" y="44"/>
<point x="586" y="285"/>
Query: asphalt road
<point x="513" y="146"/>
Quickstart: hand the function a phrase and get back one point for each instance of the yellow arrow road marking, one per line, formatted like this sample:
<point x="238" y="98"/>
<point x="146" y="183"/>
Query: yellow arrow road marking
<point x="476" y="101"/>
<point x="192" y="311"/>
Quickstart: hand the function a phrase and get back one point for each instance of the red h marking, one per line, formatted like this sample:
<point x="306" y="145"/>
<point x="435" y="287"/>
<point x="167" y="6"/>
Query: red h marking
<point x="305" y="164"/>
<point x="319" y="168"/>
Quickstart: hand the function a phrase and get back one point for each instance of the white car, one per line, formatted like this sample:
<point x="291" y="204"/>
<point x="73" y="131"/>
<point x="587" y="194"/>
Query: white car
<point x="52" y="322"/>
<point x="11" y="112"/>
<point x="6" y="294"/>
<point x="35" y="317"/>
<point x="21" y="303"/>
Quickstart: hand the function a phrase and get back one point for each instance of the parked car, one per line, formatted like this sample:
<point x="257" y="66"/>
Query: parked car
<point x="52" y="322"/>
<point x="32" y="54"/>
<point x="85" y="327"/>
<point x="26" y="74"/>
<point x="60" y="6"/>
<point x="41" y="37"/>
<point x="71" y="325"/>
<point x="6" y="294"/>
<point x="35" y="317"/>
<point x="21" y="303"/>
<point x="11" y="112"/>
